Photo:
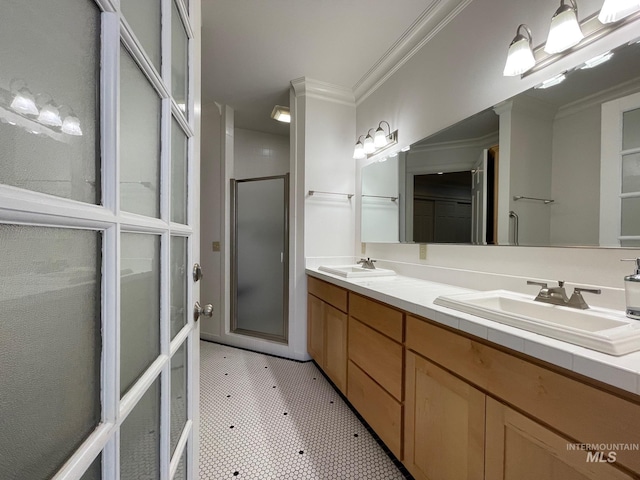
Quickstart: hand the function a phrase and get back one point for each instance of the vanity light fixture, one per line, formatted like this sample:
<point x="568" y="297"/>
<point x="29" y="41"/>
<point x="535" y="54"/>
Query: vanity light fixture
<point x="565" y="30"/>
<point x="595" y="61"/>
<point x="614" y="10"/>
<point x="281" y="114"/>
<point x="379" y="142"/>
<point x="358" y="152"/>
<point x="520" y="56"/>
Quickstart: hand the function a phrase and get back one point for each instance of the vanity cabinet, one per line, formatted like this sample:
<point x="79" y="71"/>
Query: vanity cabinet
<point x="375" y="367"/>
<point x="444" y="424"/>
<point x="327" y="329"/>
<point x="474" y="411"/>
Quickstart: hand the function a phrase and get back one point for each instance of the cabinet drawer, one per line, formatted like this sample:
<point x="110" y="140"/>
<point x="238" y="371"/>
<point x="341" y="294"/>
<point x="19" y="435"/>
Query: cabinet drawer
<point x="331" y="294"/>
<point x="379" y="356"/>
<point x="377" y="407"/>
<point x="380" y="317"/>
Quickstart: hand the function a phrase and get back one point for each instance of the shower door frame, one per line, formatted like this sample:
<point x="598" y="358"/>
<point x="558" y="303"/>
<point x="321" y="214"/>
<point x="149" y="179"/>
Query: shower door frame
<point x="233" y="323"/>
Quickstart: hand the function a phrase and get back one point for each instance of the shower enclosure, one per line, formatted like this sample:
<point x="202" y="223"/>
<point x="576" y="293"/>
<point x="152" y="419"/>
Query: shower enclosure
<point x="259" y="257"/>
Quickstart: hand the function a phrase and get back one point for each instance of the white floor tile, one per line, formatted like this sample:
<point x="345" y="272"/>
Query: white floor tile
<point x="263" y="417"/>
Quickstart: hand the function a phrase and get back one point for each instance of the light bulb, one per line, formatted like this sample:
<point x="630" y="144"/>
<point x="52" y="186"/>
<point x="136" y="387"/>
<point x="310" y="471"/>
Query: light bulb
<point x="380" y="138"/>
<point x="369" y="146"/>
<point x="565" y="30"/>
<point x="520" y="56"/>
<point x="24" y="103"/>
<point x="71" y="125"/>
<point x="50" y="115"/>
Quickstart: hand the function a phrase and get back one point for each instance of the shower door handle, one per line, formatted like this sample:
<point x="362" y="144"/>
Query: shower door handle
<point x="207" y="311"/>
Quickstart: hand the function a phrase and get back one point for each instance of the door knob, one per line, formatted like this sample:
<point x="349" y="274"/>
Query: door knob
<point x="207" y="311"/>
<point x="197" y="272"/>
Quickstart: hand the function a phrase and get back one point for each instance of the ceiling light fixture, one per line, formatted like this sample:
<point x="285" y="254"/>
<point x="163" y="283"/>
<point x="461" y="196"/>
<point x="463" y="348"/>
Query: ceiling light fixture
<point x="614" y="10"/>
<point x="565" y="30"/>
<point x="520" y="56"/>
<point x="281" y="114"/>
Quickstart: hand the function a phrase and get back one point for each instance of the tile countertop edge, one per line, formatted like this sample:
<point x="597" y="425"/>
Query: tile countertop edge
<point x="622" y="372"/>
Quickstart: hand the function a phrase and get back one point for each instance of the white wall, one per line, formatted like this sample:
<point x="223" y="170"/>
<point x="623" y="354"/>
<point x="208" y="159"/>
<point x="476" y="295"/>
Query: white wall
<point x="212" y="219"/>
<point x="259" y="154"/>
<point x="458" y="73"/>
<point x="575" y="178"/>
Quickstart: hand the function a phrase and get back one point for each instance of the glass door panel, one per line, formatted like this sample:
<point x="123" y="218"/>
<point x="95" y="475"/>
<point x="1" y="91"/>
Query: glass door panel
<point x="50" y="337"/>
<point x="140" y="438"/>
<point x="143" y="16"/>
<point x="139" y="306"/>
<point x="178" y="173"/>
<point x="49" y="122"/>
<point x="179" y="60"/>
<point x="179" y="279"/>
<point x="140" y="109"/>
<point x="178" y="395"/>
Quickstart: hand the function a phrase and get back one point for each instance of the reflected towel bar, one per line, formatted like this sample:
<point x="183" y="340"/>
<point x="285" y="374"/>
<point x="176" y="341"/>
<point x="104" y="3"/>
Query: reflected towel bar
<point x="393" y="199"/>
<point x="521" y="197"/>
<point x="313" y="192"/>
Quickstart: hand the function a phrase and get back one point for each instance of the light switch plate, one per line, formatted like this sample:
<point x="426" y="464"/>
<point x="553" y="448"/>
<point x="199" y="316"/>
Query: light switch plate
<point x="215" y="246"/>
<point x="423" y="251"/>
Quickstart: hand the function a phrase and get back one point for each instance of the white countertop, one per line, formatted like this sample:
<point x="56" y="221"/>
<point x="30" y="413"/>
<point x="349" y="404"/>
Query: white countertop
<point x="416" y="296"/>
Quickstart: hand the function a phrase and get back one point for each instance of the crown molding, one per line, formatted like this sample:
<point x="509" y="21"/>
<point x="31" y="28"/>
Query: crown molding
<point x="613" y="93"/>
<point x="308" y="87"/>
<point x="433" y="19"/>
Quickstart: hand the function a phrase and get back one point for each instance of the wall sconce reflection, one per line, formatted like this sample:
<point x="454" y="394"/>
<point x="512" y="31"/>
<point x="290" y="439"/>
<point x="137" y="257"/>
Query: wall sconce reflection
<point x="37" y="114"/>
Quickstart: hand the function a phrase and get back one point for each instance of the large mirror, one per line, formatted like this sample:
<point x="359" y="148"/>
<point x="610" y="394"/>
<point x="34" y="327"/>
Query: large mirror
<point x="553" y="166"/>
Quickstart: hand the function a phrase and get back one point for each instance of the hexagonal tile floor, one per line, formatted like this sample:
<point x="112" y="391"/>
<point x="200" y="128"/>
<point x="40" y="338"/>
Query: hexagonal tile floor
<point x="263" y="418"/>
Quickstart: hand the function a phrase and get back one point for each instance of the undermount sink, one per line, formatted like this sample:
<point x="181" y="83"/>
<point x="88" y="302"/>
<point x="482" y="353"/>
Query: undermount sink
<point x="601" y="329"/>
<point x="351" y="271"/>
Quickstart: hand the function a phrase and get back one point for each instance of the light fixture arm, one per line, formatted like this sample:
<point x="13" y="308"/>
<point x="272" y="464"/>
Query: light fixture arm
<point x="388" y="126"/>
<point x="519" y="35"/>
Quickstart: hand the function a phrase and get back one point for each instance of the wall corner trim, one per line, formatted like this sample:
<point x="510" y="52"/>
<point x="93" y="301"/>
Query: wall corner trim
<point x="309" y="87"/>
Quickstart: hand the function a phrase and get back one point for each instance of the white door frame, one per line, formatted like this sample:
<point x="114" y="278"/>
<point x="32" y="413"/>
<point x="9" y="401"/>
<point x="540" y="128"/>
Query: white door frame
<point x="18" y="206"/>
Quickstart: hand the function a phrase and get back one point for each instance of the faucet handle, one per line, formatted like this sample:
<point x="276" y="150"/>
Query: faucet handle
<point x="597" y="291"/>
<point x="539" y="284"/>
<point x="577" y="300"/>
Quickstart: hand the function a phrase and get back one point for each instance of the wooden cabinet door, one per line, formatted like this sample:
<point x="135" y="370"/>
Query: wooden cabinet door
<point x="335" y="353"/>
<point x="315" y="328"/>
<point x="444" y="424"/>
<point x="519" y="448"/>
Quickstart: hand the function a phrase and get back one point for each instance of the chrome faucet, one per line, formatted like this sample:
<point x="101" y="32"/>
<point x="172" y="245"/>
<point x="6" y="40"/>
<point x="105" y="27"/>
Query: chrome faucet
<point x="558" y="295"/>
<point x="367" y="263"/>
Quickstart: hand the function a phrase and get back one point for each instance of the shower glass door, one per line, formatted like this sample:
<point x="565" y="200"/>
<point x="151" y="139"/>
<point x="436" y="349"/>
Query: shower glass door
<point x="259" y="257"/>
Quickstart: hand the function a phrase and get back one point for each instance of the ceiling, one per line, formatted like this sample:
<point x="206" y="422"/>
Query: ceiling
<point x="252" y="49"/>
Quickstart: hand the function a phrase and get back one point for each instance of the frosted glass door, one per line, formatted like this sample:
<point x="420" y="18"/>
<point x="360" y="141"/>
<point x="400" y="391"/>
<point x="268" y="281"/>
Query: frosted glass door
<point x="260" y="257"/>
<point x="620" y="172"/>
<point x="99" y="176"/>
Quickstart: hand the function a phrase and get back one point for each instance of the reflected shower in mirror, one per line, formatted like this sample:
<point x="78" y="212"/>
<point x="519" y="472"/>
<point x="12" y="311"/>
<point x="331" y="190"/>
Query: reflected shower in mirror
<point x="562" y="160"/>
